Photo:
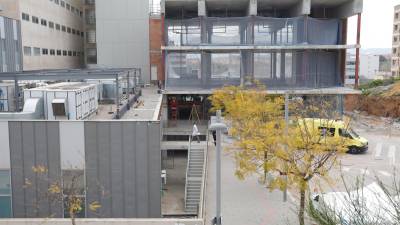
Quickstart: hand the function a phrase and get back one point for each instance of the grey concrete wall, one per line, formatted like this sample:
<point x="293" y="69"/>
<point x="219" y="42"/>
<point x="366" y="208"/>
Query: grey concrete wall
<point x="10" y="43"/>
<point x="122" y="32"/>
<point x="121" y="159"/>
<point x="33" y="144"/>
<point x="123" y="168"/>
<point x="103" y="222"/>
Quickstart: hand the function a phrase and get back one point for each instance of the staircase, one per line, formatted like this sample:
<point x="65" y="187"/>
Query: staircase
<point x="194" y="178"/>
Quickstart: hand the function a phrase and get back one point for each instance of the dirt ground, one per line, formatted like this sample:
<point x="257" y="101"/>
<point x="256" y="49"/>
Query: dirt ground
<point x="376" y="106"/>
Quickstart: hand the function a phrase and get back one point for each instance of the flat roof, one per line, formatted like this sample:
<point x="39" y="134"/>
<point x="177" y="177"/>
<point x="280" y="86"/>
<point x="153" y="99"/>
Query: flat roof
<point x="65" y="86"/>
<point x="293" y="91"/>
<point x="104" y="73"/>
<point x="223" y="48"/>
<point x="147" y="107"/>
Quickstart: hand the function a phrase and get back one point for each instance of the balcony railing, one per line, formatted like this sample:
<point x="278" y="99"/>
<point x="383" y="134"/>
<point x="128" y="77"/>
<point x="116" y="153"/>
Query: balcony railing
<point x="252" y="31"/>
<point x="295" y="69"/>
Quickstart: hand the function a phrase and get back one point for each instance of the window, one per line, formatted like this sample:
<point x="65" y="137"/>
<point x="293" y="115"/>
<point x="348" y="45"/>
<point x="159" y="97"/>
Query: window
<point x="394" y="50"/>
<point x="68" y="7"/>
<point x="25" y="16"/>
<point x="69" y="53"/>
<point x="396" y="15"/>
<point x="52" y="52"/>
<point x="57" y="2"/>
<point x="64" y="53"/>
<point x="78" y="33"/>
<point x="27" y="51"/>
<point x="35" y="19"/>
<point x="62" y="4"/>
<point x="36" y="51"/>
<point x="5" y="194"/>
<point x="73" y="31"/>
<point x="80" y="13"/>
<point x="58" y="26"/>
<point x="43" y="22"/>
<point x="58" y="52"/>
<point x="74" y="53"/>
<point x="395" y="39"/>
<point x="51" y="25"/>
<point x="58" y="106"/>
<point x="344" y="133"/>
<point x="72" y="9"/>
<point x="396" y="27"/>
<point x="63" y="28"/>
<point x="327" y="131"/>
<point x="69" y="30"/>
<point x="45" y="51"/>
<point x="81" y="34"/>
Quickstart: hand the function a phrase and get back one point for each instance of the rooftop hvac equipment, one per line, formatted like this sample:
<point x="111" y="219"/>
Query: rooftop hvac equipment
<point x="66" y="101"/>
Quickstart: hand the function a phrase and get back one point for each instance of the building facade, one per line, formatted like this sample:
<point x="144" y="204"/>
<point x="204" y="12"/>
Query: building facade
<point x="118" y="34"/>
<point x="289" y="46"/>
<point x="350" y="69"/>
<point x="369" y="68"/>
<point x="285" y="45"/>
<point x="396" y="42"/>
<point x="114" y="163"/>
<point x="10" y="35"/>
<point x="51" y="32"/>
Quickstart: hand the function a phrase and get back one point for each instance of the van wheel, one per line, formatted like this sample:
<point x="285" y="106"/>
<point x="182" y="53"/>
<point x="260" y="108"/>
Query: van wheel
<point x="352" y="150"/>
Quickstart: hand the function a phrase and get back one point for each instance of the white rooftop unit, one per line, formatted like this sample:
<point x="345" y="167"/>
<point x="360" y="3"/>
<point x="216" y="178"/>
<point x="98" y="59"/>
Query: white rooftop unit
<point x="66" y="101"/>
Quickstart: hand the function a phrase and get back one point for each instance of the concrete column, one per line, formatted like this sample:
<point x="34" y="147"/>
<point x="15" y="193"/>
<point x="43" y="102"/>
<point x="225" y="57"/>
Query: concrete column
<point x="162" y="9"/>
<point x="252" y="8"/>
<point x="202" y="8"/>
<point x="283" y="65"/>
<point x="347" y="9"/>
<point x="301" y="8"/>
<point x="205" y="69"/>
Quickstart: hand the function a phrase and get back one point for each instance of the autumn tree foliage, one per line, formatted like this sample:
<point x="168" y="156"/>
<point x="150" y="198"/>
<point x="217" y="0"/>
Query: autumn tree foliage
<point x="67" y="193"/>
<point x="294" y="153"/>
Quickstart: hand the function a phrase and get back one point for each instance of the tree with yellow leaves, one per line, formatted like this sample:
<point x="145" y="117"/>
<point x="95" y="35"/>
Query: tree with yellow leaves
<point x="68" y="193"/>
<point x="294" y="152"/>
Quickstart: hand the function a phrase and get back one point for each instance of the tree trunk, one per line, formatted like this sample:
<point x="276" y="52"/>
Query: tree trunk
<point x="302" y="206"/>
<point x="72" y="215"/>
<point x="265" y="169"/>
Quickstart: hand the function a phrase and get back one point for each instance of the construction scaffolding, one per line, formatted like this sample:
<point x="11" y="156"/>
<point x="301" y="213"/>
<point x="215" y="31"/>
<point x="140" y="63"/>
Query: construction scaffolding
<point x="209" y="52"/>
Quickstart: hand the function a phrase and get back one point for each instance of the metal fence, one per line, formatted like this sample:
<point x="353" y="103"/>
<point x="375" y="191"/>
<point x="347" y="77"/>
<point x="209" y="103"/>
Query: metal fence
<point x="282" y="69"/>
<point x="252" y="30"/>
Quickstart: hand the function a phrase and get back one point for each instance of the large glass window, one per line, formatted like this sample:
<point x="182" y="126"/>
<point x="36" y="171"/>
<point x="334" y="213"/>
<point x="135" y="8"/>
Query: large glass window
<point x="225" y="66"/>
<point x="225" y="33"/>
<point x="184" y="34"/>
<point x="5" y="194"/>
<point x="262" y="66"/>
<point x="184" y="66"/>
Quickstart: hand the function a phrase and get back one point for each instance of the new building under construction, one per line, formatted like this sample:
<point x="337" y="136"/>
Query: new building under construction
<point x="293" y="46"/>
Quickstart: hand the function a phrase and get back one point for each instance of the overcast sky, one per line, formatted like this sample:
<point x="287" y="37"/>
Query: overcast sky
<point x="377" y="24"/>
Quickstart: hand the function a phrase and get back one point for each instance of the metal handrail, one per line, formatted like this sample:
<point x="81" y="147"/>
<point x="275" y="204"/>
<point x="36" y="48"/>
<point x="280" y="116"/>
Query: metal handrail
<point x="202" y="202"/>
<point x="187" y="167"/>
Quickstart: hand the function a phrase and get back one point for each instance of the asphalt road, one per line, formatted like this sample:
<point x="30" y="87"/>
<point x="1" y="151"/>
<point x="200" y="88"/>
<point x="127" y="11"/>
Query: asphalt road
<point x="249" y="202"/>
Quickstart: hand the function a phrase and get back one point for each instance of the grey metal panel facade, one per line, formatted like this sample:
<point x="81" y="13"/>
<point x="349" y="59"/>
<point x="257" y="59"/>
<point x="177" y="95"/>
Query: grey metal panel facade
<point x="11" y="47"/>
<point x="123" y="168"/>
<point x="122" y="35"/>
<point x="33" y="144"/>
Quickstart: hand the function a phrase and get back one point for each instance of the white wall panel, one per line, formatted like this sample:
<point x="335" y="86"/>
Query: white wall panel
<point x="72" y="145"/>
<point x="4" y="146"/>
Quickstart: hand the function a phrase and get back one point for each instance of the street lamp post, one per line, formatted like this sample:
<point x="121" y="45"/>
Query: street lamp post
<point x="218" y="126"/>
